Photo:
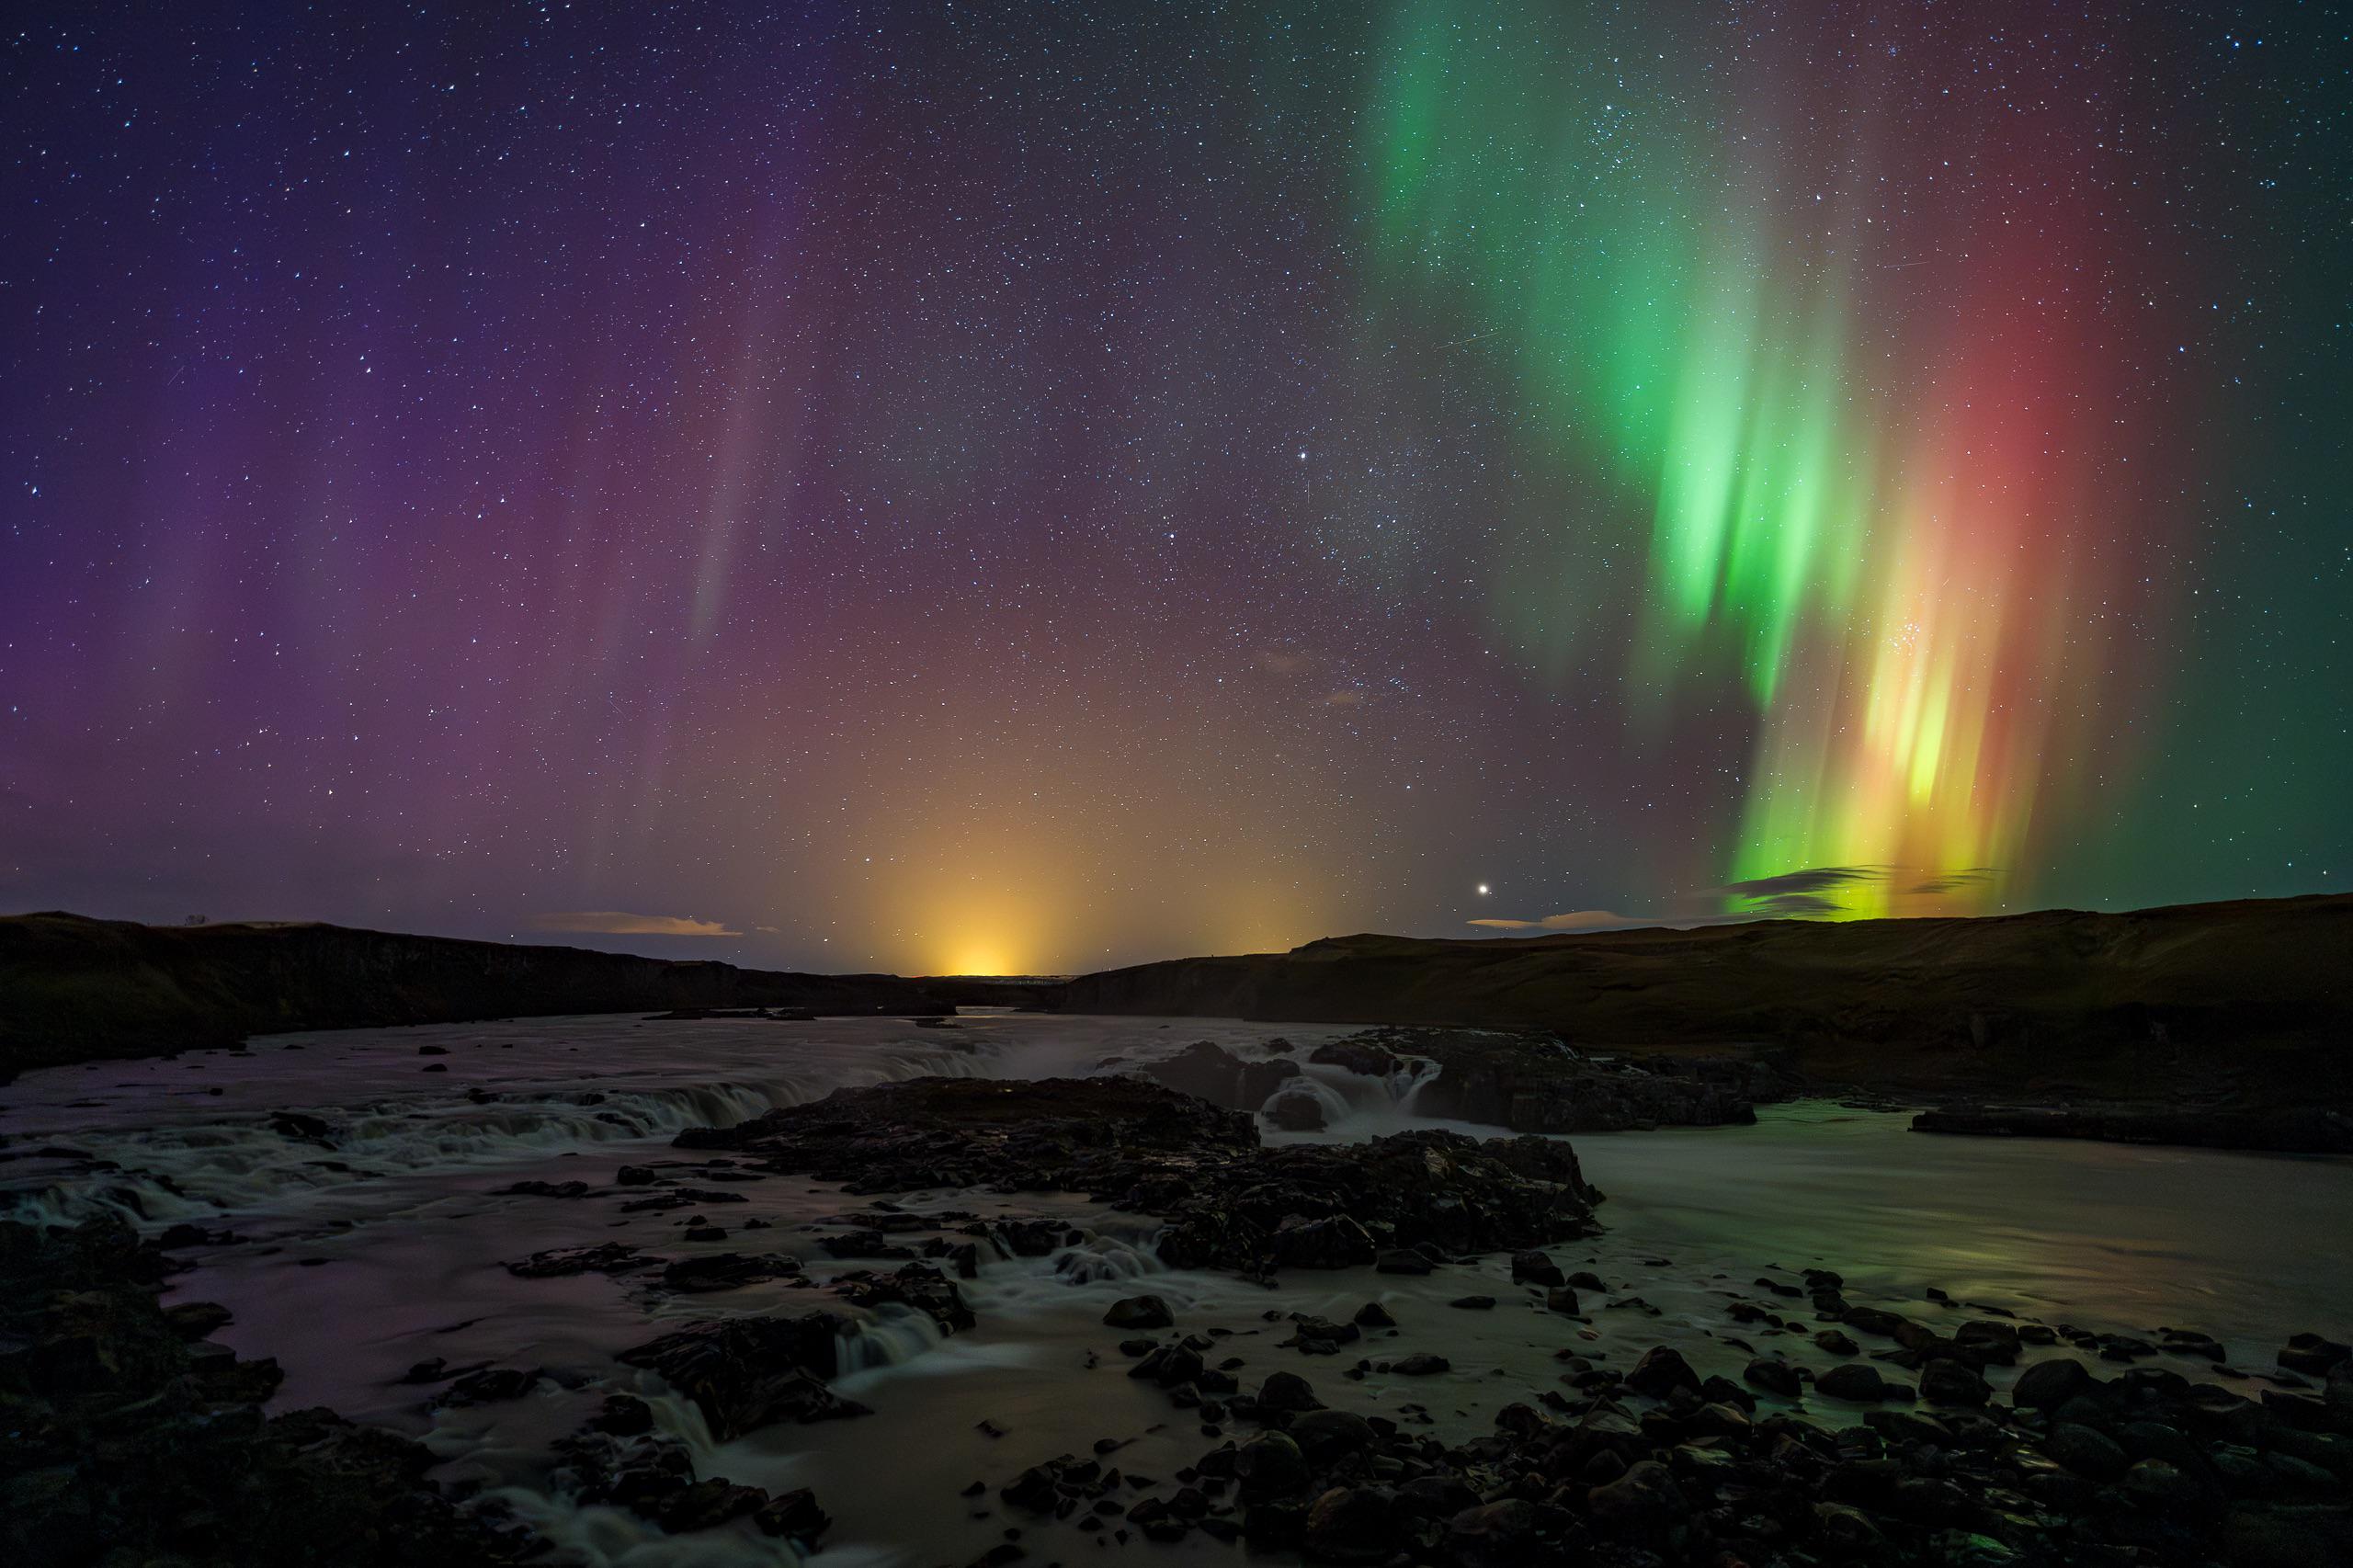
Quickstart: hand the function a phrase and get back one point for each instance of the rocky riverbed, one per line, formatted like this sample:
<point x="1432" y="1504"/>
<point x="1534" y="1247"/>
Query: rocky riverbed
<point x="995" y="1295"/>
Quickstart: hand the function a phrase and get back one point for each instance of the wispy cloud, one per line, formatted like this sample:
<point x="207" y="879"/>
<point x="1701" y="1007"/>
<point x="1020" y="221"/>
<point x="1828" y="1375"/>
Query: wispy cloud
<point x="1952" y="881"/>
<point x="621" y="922"/>
<point x="1815" y="880"/>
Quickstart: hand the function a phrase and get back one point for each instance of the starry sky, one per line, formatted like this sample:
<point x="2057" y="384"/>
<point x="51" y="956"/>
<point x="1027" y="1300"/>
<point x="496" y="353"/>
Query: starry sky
<point x="995" y="488"/>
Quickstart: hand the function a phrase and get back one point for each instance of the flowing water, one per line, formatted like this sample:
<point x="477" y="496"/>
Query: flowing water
<point x="377" y="1241"/>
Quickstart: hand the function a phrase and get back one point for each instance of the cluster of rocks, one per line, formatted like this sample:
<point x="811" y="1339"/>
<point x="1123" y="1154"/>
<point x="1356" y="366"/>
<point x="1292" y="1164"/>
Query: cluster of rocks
<point x="619" y="1459"/>
<point x="1229" y="1202"/>
<point x="1529" y="1083"/>
<point x="125" y="1437"/>
<point x="1538" y="1083"/>
<point x="1208" y="1071"/>
<point x="2306" y="1128"/>
<point x="1655" y="1464"/>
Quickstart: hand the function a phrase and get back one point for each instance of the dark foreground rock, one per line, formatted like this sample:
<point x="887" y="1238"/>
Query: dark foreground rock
<point x="120" y="1441"/>
<point x="2287" y="1129"/>
<point x="748" y="1373"/>
<point x="1537" y="1083"/>
<point x="1657" y="1466"/>
<point x="1210" y="1071"/>
<point x="1229" y="1202"/>
<point x="618" y="1458"/>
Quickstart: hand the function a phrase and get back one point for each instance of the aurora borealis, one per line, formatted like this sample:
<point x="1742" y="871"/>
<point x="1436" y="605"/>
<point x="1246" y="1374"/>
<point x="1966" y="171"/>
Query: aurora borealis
<point x="962" y="487"/>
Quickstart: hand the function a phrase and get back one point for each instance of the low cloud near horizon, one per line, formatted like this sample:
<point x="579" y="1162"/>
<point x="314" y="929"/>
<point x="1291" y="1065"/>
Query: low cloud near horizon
<point x="1576" y="920"/>
<point x="621" y="922"/>
<point x="1811" y="894"/>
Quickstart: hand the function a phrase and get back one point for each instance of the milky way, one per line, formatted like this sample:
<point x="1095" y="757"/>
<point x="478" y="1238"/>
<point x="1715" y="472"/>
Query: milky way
<point x="971" y="487"/>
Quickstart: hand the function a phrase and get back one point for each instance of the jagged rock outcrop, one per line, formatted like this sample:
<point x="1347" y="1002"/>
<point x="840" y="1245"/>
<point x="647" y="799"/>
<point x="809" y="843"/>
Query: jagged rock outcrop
<point x="1212" y="1072"/>
<point x="123" y="1440"/>
<point x="1230" y="1202"/>
<point x="1535" y="1082"/>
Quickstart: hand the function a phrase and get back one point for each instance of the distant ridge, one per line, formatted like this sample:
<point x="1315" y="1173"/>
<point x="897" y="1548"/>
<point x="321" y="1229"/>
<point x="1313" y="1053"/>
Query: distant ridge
<point x="2252" y="998"/>
<point x="73" y="989"/>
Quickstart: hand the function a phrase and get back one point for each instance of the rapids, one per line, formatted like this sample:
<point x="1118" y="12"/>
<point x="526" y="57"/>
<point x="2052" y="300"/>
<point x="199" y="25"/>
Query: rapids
<point x="370" y="1227"/>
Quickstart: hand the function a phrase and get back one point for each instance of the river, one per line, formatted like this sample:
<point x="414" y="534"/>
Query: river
<point x="379" y="1242"/>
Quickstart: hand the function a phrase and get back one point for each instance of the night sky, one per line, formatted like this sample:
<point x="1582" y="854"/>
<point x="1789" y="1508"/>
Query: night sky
<point x="992" y="488"/>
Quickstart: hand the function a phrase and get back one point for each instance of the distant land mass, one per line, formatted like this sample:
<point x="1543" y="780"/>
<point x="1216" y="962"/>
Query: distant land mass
<point x="73" y="989"/>
<point x="2247" y="1005"/>
<point x="2228" y="1023"/>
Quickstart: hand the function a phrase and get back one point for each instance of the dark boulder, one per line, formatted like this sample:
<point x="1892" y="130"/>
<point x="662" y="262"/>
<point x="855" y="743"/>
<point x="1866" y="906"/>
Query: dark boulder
<point x="1210" y="1071"/>
<point x="748" y="1373"/>
<point x="1139" y="1311"/>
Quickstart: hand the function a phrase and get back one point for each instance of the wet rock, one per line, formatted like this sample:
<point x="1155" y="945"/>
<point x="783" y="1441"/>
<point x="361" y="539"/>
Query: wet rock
<point x="793" y="1515"/>
<point x="1561" y="1299"/>
<point x="1661" y="1371"/>
<point x="126" y="1443"/>
<point x="1328" y="1436"/>
<point x="727" y="1270"/>
<point x="1288" y="1390"/>
<point x="1774" y="1376"/>
<point x="1139" y="1311"/>
<point x="1645" y="1497"/>
<point x="1229" y="1204"/>
<point x="1533" y="1083"/>
<point x="1402" y="1260"/>
<point x="2090" y="1454"/>
<point x="1422" y="1364"/>
<point x="2047" y="1385"/>
<point x="488" y="1385"/>
<point x="860" y="1244"/>
<point x="607" y="1257"/>
<point x="1951" y="1382"/>
<point x="1509" y="1534"/>
<point x="1357" y="1055"/>
<point x="1350" y="1524"/>
<point x="1372" y="1314"/>
<point x="1473" y="1303"/>
<point x="749" y="1372"/>
<point x="1535" y="1268"/>
<point x="1297" y="1113"/>
<point x="198" y="1320"/>
<point x="919" y="1286"/>
<point x="1336" y="1240"/>
<point x="2312" y="1355"/>
<point x="622" y="1415"/>
<point x="546" y="1189"/>
<point x="1214" y="1073"/>
<point x="1270" y="1465"/>
<point x="1168" y="1365"/>
<point x="1858" y="1382"/>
